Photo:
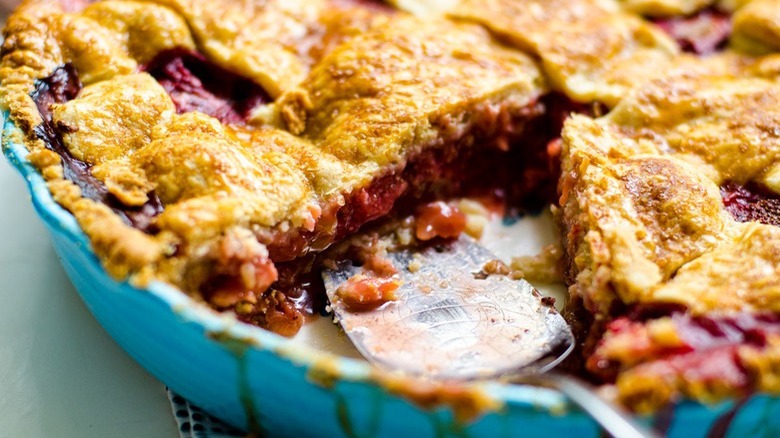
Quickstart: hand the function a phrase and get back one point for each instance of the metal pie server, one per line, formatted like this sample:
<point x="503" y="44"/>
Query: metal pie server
<point x="449" y="320"/>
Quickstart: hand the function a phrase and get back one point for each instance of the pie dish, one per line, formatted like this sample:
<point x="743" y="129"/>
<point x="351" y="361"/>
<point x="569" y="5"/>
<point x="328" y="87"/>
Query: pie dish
<point x="218" y="147"/>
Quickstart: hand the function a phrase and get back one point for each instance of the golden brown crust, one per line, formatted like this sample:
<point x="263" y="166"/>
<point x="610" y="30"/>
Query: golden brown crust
<point x="739" y="276"/>
<point x="589" y="49"/>
<point x="132" y="24"/>
<point x="632" y="221"/>
<point x="724" y="124"/>
<point x="418" y="96"/>
<point x="661" y="8"/>
<point x="94" y="125"/>
<point x="32" y="50"/>
<point x="757" y="27"/>
<point x="256" y="38"/>
<point x="661" y="155"/>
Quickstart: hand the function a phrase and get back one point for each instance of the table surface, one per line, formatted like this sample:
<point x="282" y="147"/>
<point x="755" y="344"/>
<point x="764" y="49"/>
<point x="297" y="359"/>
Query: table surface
<point x="60" y="373"/>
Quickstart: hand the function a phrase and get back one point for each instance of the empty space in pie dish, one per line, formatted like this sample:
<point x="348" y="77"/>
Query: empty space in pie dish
<point x="527" y="235"/>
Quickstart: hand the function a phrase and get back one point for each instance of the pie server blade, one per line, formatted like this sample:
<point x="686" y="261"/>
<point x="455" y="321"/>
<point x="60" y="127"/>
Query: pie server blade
<point x="450" y="321"/>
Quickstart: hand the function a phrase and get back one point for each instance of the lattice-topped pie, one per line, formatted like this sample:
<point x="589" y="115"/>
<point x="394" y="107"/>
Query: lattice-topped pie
<point x="220" y="146"/>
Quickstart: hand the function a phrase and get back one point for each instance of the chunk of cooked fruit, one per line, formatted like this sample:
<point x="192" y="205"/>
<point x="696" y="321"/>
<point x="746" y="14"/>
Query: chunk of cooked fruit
<point x="362" y="293"/>
<point x="242" y="271"/>
<point x="439" y="219"/>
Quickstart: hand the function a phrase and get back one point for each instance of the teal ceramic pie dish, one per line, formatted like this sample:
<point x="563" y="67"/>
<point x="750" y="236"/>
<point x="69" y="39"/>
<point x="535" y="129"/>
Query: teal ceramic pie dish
<point x="258" y="381"/>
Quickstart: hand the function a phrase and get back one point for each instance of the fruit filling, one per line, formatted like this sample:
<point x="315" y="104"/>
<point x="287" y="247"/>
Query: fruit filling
<point x="195" y="84"/>
<point x="664" y="341"/>
<point x="751" y="203"/>
<point x="703" y="33"/>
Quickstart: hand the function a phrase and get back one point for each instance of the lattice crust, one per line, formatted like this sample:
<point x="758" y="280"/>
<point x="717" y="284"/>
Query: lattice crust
<point x="455" y="74"/>
<point x="589" y="49"/>
<point x="757" y="26"/>
<point x="661" y="156"/>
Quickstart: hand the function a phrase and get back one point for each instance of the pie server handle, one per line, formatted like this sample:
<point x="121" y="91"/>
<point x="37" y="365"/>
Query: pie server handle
<point x="612" y="418"/>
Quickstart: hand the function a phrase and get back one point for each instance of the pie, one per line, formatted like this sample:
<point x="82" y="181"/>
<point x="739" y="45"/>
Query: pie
<point x="221" y="146"/>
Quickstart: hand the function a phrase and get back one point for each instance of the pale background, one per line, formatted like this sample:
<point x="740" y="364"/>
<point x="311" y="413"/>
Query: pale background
<point x="61" y="375"/>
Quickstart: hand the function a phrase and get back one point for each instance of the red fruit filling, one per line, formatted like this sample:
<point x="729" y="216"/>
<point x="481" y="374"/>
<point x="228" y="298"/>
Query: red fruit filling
<point x="196" y="84"/>
<point x="751" y="203"/>
<point x="718" y="365"/>
<point x="705" y="348"/>
<point x="703" y="33"/>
